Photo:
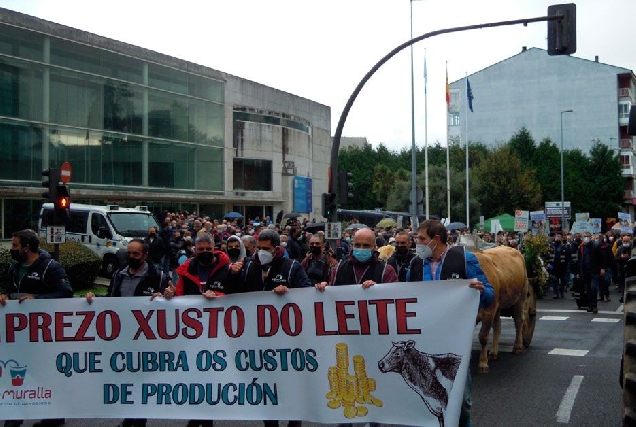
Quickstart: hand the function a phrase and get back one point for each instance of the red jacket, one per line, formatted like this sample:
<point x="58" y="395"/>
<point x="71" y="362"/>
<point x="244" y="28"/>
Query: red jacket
<point x="190" y="284"/>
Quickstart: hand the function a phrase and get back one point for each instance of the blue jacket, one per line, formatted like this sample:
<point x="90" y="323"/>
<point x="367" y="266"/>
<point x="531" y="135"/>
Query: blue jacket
<point x="472" y="271"/>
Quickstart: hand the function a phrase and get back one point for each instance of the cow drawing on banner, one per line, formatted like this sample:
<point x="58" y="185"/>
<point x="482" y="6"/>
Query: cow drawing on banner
<point x="431" y="376"/>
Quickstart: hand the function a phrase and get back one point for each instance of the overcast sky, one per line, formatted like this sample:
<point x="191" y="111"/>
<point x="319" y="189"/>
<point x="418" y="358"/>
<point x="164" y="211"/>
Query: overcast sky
<point x="321" y="49"/>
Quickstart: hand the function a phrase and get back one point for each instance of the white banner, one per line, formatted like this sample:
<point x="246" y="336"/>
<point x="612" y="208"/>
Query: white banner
<point x="394" y="353"/>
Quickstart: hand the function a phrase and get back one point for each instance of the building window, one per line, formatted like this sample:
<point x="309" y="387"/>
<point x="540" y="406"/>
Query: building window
<point x="253" y="174"/>
<point x="623" y="110"/>
<point x="453" y="118"/>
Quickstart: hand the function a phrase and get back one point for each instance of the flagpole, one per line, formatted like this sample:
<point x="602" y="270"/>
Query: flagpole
<point x="448" y="198"/>
<point x="467" y="164"/>
<point x="426" y="138"/>
<point x="413" y="163"/>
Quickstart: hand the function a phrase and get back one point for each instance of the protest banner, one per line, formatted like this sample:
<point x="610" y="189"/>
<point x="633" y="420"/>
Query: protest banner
<point x="343" y="355"/>
<point x="522" y="221"/>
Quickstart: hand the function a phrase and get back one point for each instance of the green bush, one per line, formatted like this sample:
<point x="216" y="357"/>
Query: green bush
<point x="5" y="262"/>
<point x="80" y="263"/>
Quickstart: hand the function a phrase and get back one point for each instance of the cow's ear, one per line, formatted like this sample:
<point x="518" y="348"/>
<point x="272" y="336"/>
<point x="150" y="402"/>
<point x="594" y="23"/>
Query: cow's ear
<point x="410" y="344"/>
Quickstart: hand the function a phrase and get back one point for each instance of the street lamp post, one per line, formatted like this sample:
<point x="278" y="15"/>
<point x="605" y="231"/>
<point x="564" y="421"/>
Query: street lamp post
<point x="413" y="149"/>
<point x="562" y="177"/>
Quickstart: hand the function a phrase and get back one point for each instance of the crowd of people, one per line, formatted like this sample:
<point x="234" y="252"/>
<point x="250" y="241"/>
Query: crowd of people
<point x="193" y="255"/>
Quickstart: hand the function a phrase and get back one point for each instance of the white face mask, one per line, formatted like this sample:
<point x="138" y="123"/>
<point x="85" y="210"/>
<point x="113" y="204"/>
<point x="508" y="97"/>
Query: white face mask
<point x="265" y="257"/>
<point x="423" y="251"/>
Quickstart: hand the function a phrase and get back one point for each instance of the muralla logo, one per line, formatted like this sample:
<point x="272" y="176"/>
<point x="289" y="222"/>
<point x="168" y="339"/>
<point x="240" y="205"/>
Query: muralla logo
<point x="17" y="374"/>
<point x="16" y="371"/>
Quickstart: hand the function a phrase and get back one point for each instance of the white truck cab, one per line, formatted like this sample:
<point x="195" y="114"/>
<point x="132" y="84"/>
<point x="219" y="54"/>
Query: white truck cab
<point x="104" y="229"/>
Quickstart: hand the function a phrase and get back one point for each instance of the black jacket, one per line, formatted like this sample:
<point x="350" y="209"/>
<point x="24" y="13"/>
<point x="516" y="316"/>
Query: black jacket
<point x="156" y="249"/>
<point x="592" y="258"/>
<point x="281" y="271"/>
<point x="154" y="281"/>
<point x="401" y="264"/>
<point x="45" y="278"/>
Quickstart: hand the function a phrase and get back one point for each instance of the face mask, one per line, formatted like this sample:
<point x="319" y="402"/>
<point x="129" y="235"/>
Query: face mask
<point x="283" y="244"/>
<point x="265" y="257"/>
<point x="315" y="250"/>
<point x="402" y="250"/>
<point x="362" y="255"/>
<point x="347" y="239"/>
<point x="586" y="239"/>
<point x="152" y="235"/>
<point x="626" y="245"/>
<point x="134" y="263"/>
<point x="15" y="254"/>
<point x="423" y="251"/>
<point x="234" y="253"/>
<point x="205" y="258"/>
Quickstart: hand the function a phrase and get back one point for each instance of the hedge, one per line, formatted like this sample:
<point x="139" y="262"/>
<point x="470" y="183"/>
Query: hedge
<point x="80" y="263"/>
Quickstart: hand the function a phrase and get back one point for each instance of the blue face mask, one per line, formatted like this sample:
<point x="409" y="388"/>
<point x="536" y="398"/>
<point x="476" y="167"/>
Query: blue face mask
<point x="362" y="255"/>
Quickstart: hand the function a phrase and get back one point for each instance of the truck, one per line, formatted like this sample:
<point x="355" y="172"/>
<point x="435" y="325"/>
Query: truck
<point x="106" y="230"/>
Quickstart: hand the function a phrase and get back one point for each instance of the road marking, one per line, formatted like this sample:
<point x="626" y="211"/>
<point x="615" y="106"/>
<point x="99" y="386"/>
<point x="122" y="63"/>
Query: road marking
<point x="568" y="352"/>
<point x="567" y="403"/>
<point x="578" y="311"/>
<point x="605" y="320"/>
<point x="620" y="308"/>
<point x="554" y="318"/>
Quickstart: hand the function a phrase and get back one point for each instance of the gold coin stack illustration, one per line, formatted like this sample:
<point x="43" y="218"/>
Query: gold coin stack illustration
<point x="351" y="392"/>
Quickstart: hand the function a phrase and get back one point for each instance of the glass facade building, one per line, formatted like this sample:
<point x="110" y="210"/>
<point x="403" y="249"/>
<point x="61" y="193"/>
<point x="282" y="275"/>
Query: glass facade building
<point x="120" y="121"/>
<point x="135" y="130"/>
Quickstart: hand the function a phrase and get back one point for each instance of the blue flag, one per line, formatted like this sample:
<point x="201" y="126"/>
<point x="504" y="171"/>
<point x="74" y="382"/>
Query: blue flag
<point x="469" y="94"/>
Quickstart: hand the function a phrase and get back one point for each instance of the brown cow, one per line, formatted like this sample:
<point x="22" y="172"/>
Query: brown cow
<point x="506" y="271"/>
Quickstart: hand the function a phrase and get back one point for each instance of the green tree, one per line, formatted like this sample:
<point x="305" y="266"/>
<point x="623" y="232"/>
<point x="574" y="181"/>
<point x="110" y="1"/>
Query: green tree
<point x="523" y="147"/>
<point x="547" y="161"/>
<point x="606" y="183"/>
<point x="576" y="181"/>
<point x="503" y="185"/>
<point x="356" y="160"/>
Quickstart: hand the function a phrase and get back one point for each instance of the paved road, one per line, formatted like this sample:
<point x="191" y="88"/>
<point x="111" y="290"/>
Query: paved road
<point x="571" y="350"/>
<point x="570" y="347"/>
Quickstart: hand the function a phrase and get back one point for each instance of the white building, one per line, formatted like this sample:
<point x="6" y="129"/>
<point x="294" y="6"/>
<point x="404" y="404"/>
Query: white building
<point x="535" y="91"/>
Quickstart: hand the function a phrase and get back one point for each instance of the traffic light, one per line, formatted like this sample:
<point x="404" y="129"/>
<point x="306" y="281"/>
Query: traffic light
<point x="62" y="204"/>
<point x="50" y="180"/>
<point x="562" y="32"/>
<point x="328" y="204"/>
<point x="345" y="187"/>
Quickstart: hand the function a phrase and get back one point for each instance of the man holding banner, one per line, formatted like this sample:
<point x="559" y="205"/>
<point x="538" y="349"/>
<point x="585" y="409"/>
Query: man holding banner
<point x="444" y="262"/>
<point x="269" y="270"/>
<point x="137" y="278"/>
<point x="363" y="265"/>
<point x="34" y="274"/>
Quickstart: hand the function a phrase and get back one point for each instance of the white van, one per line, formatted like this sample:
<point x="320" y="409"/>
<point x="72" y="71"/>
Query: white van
<point x="104" y="229"/>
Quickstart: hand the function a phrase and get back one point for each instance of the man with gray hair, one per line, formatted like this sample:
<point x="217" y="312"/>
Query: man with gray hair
<point x="250" y="244"/>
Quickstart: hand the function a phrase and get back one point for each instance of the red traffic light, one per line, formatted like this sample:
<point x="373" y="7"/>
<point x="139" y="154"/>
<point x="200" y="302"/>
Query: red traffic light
<point x="63" y="202"/>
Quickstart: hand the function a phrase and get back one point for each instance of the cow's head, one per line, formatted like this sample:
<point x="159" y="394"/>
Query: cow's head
<point x="394" y="359"/>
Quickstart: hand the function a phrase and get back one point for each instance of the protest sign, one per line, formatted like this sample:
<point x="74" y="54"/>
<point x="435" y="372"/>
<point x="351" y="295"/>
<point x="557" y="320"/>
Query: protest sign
<point x="343" y="355"/>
